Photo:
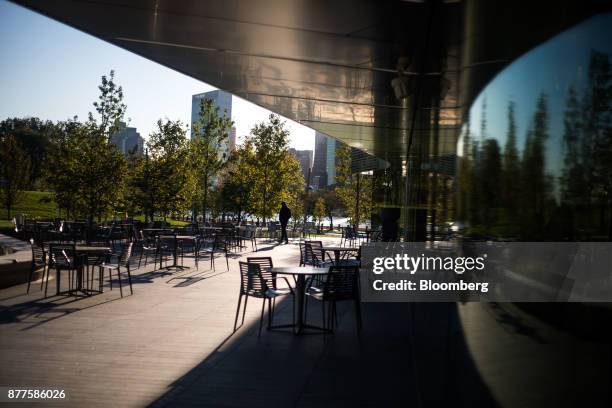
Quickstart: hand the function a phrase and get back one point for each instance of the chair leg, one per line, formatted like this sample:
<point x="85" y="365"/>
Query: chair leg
<point x="270" y="314"/>
<point x="110" y="278"/>
<point x="358" y="315"/>
<point x="119" y="279"/>
<point x="30" y="278"/>
<point x="100" y="278"/>
<point x="246" y="299"/>
<point x="57" y="279"/>
<point x="237" y="311"/>
<point x="227" y="261"/>
<point x="42" y="281"/>
<point x="263" y="308"/>
<point x="130" y="280"/>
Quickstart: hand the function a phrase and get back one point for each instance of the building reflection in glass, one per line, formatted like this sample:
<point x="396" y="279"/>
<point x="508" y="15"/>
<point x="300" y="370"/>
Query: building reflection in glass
<point x="535" y="155"/>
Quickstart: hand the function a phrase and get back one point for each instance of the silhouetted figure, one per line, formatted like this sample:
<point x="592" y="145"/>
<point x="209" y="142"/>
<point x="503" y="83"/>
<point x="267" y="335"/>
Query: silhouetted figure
<point x="283" y="216"/>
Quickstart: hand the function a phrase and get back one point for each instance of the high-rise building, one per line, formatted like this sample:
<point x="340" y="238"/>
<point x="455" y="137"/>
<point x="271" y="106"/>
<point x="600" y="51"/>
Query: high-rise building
<point x="223" y="100"/>
<point x="319" y="168"/>
<point x="305" y="158"/>
<point x="128" y="140"/>
<point x="330" y="164"/>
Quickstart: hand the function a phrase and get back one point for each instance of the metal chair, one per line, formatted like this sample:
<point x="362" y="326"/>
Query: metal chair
<point x="63" y="257"/>
<point x="123" y="260"/>
<point x="39" y="259"/>
<point x="254" y="284"/>
<point x="342" y="284"/>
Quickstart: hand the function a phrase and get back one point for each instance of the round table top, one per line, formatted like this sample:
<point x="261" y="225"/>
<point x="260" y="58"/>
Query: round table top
<point x="177" y="236"/>
<point x="338" y="248"/>
<point x="299" y="270"/>
<point x="83" y="248"/>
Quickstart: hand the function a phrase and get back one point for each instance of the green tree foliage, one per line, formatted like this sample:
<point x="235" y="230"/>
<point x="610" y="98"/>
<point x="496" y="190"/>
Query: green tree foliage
<point x="236" y="181"/>
<point x="14" y="171"/>
<point x="110" y="106"/>
<point x="511" y="168"/>
<point x="210" y="131"/>
<point x="167" y="181"/>
<point x="86" y="173"/>
<point x="34" y="137"/>
<point x="318" y="213"/>
<point x="276" y="173"/>
<point x="353" y="189"/>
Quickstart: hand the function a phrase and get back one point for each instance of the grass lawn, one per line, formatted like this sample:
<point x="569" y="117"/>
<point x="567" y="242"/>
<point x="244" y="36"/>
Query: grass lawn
<point x="40" y="204"/>
<point x="35" y="204"/>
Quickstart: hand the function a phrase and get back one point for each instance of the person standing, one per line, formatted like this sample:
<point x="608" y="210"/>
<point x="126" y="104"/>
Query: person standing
<point x="283" y="215"/>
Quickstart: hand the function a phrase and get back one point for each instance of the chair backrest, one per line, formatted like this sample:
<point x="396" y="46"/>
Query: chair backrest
<point x="126" y="253"/>
<point x="39" y="255"/>
<point x="341" y="283"/>
<point x="251" y="280"/>
<point x="311" y="253"/>
<point x="265" y="263"/>
<point x="221" y="242"/>
<point x="63" y="255"/>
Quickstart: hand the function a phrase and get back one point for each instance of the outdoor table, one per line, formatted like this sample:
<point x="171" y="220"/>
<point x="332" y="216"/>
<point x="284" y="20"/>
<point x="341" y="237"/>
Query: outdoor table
<point x="336" y="250"/>
<point x="175" y="251"/>
<point x="82" y="250"/>
<point x="300" y="273"/>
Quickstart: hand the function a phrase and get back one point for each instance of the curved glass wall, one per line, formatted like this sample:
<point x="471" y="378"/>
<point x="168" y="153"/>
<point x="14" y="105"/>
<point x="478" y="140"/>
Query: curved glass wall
<point x="535" y="154"/>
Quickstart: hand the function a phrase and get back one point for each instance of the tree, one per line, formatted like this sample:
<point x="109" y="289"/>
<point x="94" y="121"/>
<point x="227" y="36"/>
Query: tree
<point x="276" y="173"/>
<point x="236" y="180"/>
<point x="353" y="189"/>
<point x="210" y="131"/>
<point x="511" y="166"/>
<point x="110" y="106"/>
<point x="34" y="137"/>
<point x="332" y="204"/>
<point x="14" y="171"/>
<point x="168" y="180"/>
<point x="318" y="213"/>
<point x="86" y="173"/>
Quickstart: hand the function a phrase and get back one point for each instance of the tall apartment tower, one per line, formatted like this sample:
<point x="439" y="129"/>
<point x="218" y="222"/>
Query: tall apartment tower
<point x="305" y="159"/>
<point x="319" y="168"/>
<point x="224" y="101"/>
<point x="128" y="140"/>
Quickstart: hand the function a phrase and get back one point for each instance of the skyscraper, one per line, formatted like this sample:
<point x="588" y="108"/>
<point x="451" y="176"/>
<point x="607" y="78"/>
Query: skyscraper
<point x="223" y="100"/>
<point x="305" y="159"/>
<point x="330" y="164"/>
<point x="319" y="168"/>
<point x="128" y="140"/>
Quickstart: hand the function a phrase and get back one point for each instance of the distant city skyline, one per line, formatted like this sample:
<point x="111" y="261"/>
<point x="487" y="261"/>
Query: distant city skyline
<point x="52" y="71"/>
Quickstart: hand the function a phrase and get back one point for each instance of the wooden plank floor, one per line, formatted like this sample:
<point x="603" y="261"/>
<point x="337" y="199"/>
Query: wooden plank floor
<point x="172" y="344"/>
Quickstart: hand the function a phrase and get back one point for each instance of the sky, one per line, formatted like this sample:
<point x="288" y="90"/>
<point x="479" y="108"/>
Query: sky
<point x="52" y="71"/>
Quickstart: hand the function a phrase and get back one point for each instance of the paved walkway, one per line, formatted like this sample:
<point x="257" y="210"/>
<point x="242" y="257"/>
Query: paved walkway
<point x="171" y="344"/>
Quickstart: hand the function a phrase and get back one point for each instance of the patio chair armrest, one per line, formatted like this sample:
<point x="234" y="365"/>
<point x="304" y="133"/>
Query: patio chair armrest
<point x="287" y="282"/>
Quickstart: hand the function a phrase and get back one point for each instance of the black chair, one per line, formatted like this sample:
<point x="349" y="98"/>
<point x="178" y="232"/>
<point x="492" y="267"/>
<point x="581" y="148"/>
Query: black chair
<point x="39" y="259"/>
<point x="147" y="246"/>
<point x="349" y="236"/>
<point x="248" y="234"/>
<point x="314" y="254"/>
<point x="91" y="260"/>
<point x="63" y="257"/>
<point x="341" y="284"/>
<point x="265" y="264"/>
<point x="254" y="284"/>
<point x="123" y="260"/>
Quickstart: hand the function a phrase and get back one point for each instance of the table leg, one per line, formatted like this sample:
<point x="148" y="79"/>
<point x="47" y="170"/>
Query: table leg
<point x="337" y="257"/>
<point x="300" y="289"/>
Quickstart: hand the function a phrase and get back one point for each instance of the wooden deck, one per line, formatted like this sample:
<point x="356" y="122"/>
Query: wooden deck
<point x="172" y="344"/>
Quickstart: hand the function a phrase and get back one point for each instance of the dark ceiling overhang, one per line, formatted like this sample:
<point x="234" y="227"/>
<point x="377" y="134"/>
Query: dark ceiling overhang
<point x="330" y="64"/>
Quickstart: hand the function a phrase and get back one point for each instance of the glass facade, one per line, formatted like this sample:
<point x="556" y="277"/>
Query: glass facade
<point x="535" y="152"/>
